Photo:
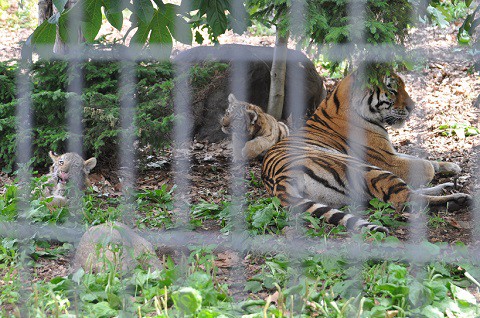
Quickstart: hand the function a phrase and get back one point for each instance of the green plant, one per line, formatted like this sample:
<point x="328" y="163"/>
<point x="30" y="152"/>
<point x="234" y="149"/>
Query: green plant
<point x="266" y="216"/>
<point x="461" y="130"/>
<point x="443" y="13"/>
<point x="157" y="206"/>
<point x="382" y="213"/>
<point x="100" y="101"/>
<point x="9" y="293"/>
<point x="327" y="23"/>
<point x="98" y="210"/>
<point x="276" y="271"/>
<point x="436" y="221"/>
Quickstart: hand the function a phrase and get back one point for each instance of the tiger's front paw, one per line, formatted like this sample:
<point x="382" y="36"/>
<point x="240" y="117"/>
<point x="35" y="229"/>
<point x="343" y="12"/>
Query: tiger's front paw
<point x="459" y="201"/>
<point x="448" y="169"/>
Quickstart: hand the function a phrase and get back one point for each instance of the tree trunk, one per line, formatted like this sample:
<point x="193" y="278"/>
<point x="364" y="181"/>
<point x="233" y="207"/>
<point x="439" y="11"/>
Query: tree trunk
<point x="45" y="10"/>
<point x="277" y="77"/>
<point x="60" y="46"/>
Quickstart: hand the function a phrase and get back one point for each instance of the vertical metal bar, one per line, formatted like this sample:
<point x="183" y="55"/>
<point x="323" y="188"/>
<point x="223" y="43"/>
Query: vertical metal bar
<point x="356" y="134"/>
<point x="356" y="140"/>
<point x="239" y="70"/>
<point x="182" y="134"/>
<point x="295" y="87"/>
<point x="128" y="171"/>
<point x="73" y="54"/>
<point x="476" y="188"/>
<point x="24" y="130"/>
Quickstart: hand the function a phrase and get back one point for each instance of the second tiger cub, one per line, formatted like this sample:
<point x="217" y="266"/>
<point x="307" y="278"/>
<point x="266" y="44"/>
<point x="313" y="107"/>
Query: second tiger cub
<point x="250" y="124"/>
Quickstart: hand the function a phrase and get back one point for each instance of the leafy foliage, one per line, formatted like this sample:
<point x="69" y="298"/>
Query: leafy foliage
<point x="154" y="21"/>
<point x="100" y="99"/>
<point x="469" y="34"/>
<point x="462" y="130"/>
<point x="327" y="283"/>
<point x="327" y="23"/>
<point x="443" y="13"/>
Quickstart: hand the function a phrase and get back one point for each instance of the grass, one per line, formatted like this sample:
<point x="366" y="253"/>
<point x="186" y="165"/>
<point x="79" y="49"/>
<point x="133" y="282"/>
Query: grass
<point x="329" y="283"/>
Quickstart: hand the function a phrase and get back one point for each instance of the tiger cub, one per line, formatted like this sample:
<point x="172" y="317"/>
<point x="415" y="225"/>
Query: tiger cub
<point x="69" y="167"/>
<point x="250" y="125"/>
<point x="344" y="153"/>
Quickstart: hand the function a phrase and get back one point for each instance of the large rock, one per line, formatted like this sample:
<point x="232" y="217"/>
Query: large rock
<point x="248" y="77"/>
<point x="114" y="243"/>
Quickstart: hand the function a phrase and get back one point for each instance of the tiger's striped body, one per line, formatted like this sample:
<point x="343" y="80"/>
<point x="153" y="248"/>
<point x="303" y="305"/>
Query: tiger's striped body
<point x="344" y="152"/>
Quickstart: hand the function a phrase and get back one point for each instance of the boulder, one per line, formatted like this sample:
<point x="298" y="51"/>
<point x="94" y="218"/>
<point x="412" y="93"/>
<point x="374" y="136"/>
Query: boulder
<point x="116" y="244"/>
<point x="248" y="77"/>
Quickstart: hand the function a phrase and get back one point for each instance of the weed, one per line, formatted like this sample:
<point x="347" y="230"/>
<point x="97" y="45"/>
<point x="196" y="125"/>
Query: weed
<point x="254" y="181"/>
<point x="266" y="216"/>
<point x="157" y="206"/>
<point x="436" y="221"/>
<point x="382" y="213"/>
<point x="461" y="130"/>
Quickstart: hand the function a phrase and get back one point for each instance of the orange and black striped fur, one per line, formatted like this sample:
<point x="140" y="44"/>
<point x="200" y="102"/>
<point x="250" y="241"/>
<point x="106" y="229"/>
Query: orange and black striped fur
<point x="250" y="126"/>
<point x="322" y="168"/>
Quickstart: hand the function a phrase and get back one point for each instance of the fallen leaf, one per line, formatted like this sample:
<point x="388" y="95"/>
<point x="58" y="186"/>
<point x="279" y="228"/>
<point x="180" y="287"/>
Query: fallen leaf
<point x="458" y="224"/>
<point x="273" y="298"/>
<point x="227" y="259"/>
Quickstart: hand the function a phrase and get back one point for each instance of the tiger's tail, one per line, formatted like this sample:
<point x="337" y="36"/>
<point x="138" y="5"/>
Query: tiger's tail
<point x="336" y="217"/>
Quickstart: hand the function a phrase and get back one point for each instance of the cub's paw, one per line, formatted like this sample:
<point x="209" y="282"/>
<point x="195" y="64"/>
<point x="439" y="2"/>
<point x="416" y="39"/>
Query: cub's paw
<point x="458" y="201"/>
<point x="448" y="169"/>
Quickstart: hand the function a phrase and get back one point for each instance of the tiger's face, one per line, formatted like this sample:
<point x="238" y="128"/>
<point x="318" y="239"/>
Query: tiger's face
<point x="238" y="119"/>
<point x="387" y="106"/>
<point x="70" y="167"/>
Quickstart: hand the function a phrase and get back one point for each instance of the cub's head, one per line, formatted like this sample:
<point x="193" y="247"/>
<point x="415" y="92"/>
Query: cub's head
<point x="239" y="118"/>
<point x="71" y="167"/>
<point x="388" y="105"/>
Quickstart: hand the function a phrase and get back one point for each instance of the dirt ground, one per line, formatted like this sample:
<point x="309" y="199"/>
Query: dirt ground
<point x="442" y="88"/>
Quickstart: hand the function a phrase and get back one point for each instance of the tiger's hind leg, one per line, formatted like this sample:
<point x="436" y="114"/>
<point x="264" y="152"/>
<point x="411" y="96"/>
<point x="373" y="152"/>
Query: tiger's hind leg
<point x="389" y="188"/>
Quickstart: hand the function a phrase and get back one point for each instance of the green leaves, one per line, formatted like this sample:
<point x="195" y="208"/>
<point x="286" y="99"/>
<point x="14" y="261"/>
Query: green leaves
<point x="164" y="24"/>
<point x="461" y="130"/>
<point x="113" y="13"/>
<point x="144" y="10"/>
<point x="187" y="300"/>
<point x="267" y="216"/>
<point x="216" y="18"/>
<point x="158" y="25"/>
<point x="468" y="27"/>
<point x="93" y="19"/>
<point x="45" y="34"/>
<point x="212" y="16"/>
<point x="60" y="4"/>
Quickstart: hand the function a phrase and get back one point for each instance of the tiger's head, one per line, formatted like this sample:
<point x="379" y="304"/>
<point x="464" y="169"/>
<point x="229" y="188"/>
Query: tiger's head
<point x="70" y="167"/>
<point x="388" y="105"/>
<point x="240" y="118"/>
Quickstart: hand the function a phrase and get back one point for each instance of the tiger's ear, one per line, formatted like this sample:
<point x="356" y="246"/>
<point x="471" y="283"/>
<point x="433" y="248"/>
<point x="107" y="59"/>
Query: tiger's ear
<point x="53" y="156"/>
<point x="231" y="98"/>
<point x="90" y="164"/>
<point x="252" y="115"/>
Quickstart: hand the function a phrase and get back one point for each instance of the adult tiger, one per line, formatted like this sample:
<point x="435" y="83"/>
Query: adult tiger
<point x="321" y="168"/>
<point x="251" y="126"/>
